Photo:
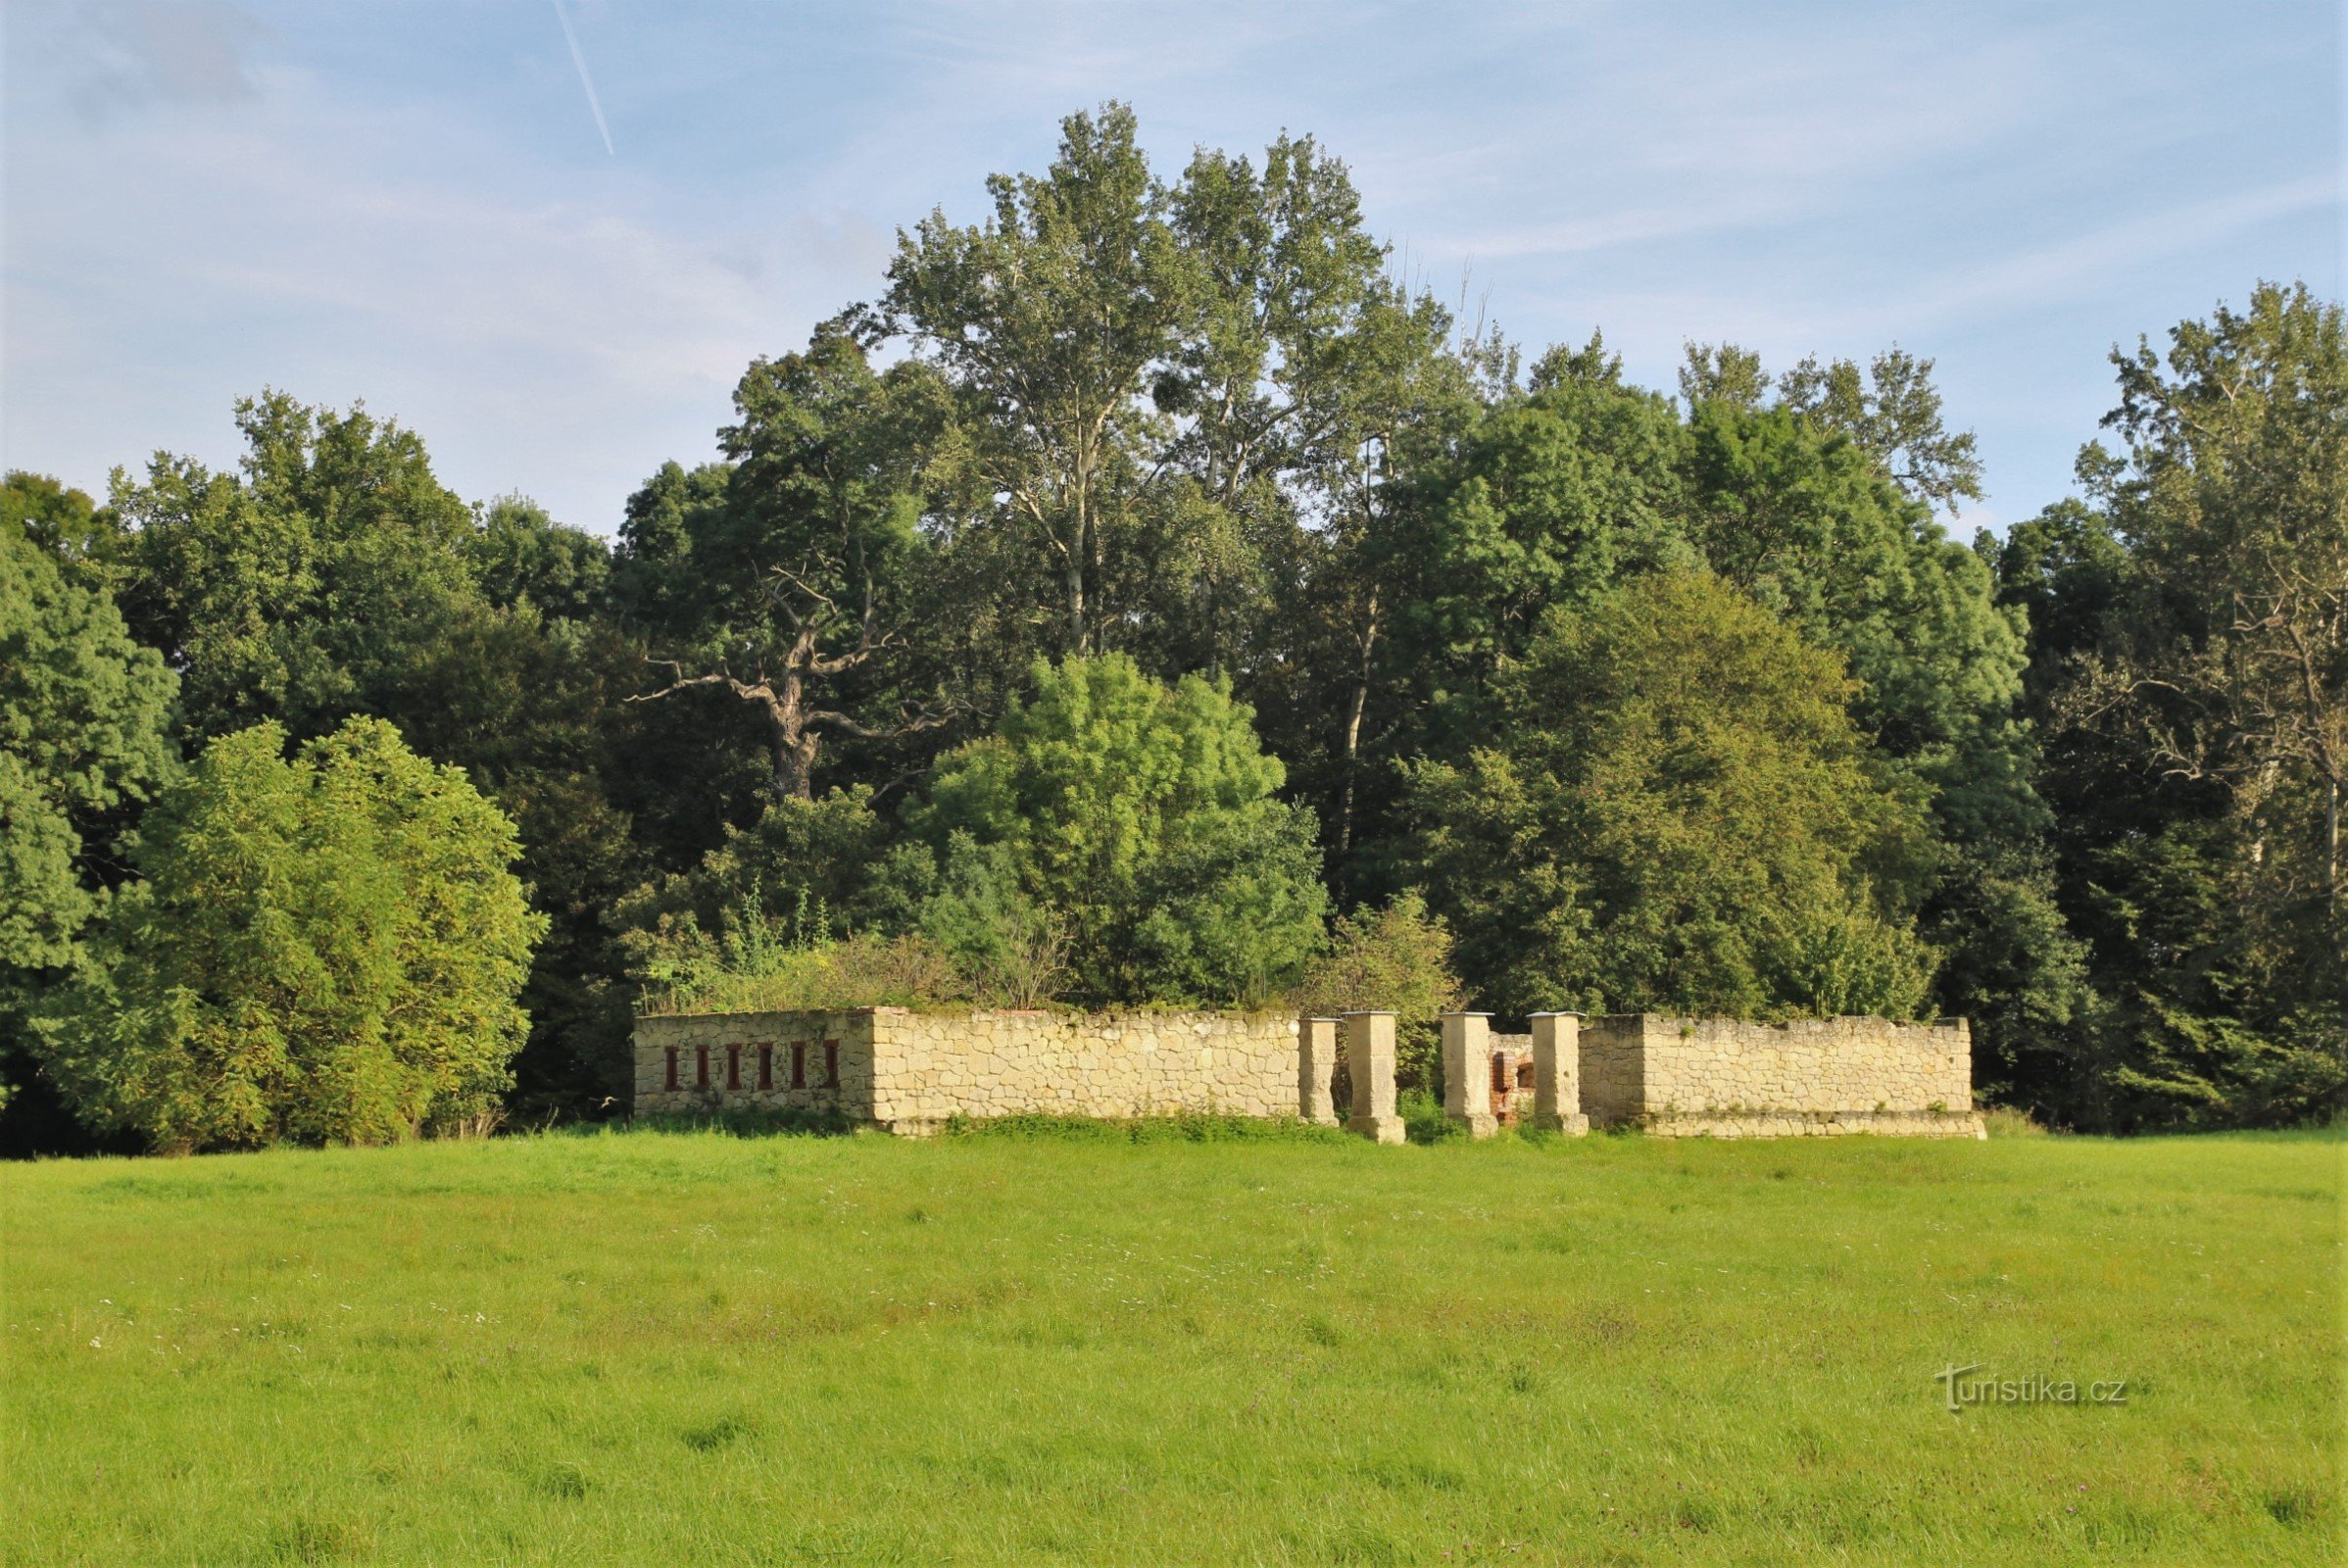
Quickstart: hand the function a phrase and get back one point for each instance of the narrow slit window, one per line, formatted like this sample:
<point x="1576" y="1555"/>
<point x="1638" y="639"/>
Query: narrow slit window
<point x="766" y="1065"/>
<point x="799" y="1065"/>
<point x="733" y="1066"/>
<point x="1499" y="1073"/>
<point x="672" y="1066"/>
<point x="701" y="1066"/>
<point x="831" y="1064"/>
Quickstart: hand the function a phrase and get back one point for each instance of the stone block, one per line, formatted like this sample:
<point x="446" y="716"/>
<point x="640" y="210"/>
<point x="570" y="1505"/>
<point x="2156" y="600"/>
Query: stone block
<point x="1557" y="1073"/>
<point x="1370" y="1064"/>
<point x="1467" y="1072"/>
<point x="1316" y="1067"/>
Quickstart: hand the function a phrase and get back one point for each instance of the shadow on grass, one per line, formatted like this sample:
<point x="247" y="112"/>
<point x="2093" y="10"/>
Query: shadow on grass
<point x="1197" y="1128"/>
<point x="747" y="1122"/>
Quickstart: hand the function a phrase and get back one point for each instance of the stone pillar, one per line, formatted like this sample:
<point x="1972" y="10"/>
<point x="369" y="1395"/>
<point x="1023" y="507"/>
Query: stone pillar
<point x="1467" y="1072"/>
<point x="1317" y="1063"/>
<point x="1557" y="1073"/>
<point x="1370" y="1062"/>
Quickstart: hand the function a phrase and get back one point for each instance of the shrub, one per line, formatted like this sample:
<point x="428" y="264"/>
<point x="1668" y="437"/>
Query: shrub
<point x="1398" y="960"/>
<point x="324" y="950"/>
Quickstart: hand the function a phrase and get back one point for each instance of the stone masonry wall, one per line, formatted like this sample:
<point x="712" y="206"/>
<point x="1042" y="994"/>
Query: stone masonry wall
<point x="1807" y="1076"/>
<point x="815" y="1061"/>
<point x="908" y="1071"/>
<point x="933" y="1066"/>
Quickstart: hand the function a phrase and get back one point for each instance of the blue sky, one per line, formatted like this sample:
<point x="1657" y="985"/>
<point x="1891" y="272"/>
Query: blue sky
<point x="409" y="201"/>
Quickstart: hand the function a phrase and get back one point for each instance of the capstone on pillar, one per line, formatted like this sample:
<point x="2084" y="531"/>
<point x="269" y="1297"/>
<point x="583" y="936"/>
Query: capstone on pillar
<point x="1370" y="1064"/>
<point x="1557" y="1073"/>
<point x="1467" y="1072"/>
<point x="1316" y="1066"/>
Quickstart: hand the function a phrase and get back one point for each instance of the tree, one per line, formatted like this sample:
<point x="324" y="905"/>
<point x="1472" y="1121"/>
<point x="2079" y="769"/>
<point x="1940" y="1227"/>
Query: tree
<point x="2190" y="678"/>
<point x="802" y="570"/>
<point x="1797" y="518"/>
<point x="84" y="741"/>
<point x="83" y="736"/>
<point x="521" y="556"/>
<point x="81" y="539"/>
<point x="1394" y="959"/>
<point x="828" y="867"/>
<point x="1722" y="373"/>
<point x="2233" y="495"/>
<point x="1048" y="321"/>
<point x="1548" y="501"/>
<point x="306" y="588"/>
<point x="1144" y="819"/>
<point x="1678" y="814"/>
<point x="1893" y="415"/>
<point x="325" y="949"/>
<point x="1891" y="411"/>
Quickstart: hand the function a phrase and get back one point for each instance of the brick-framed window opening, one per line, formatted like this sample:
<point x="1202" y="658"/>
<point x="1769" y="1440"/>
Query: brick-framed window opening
<point x="701" y="1066"/>
<point x="1500" y="1074"/>
<point x="765" y="1064"/>
<point x="733" y="1066"/>
<point x="672" y="1066"/>
<point x="799" y="1065"/>
<point x="831" y="1064"/>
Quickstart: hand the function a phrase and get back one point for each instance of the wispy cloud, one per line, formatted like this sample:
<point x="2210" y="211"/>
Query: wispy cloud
<point x="396" y="201"/>
<point x="2085" y="262"/>
<point x="140" y="53"/>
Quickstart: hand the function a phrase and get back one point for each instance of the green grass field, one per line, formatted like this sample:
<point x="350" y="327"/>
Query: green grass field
<point x="653" y="1348"/>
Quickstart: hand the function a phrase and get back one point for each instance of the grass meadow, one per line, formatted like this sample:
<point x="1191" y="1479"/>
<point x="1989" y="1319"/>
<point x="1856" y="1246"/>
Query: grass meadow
<point x="689" y="1346"/>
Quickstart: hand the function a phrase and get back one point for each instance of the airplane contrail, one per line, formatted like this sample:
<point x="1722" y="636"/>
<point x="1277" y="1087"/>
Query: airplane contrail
<point x="585" y="81"/>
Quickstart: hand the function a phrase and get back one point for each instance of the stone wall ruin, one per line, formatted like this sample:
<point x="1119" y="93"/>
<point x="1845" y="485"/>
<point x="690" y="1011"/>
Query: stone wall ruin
<point x="910" y="1072"/>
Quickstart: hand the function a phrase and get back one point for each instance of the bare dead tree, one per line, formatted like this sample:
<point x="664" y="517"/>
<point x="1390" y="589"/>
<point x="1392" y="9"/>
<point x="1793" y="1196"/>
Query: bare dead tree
<point x="779" y="686"/>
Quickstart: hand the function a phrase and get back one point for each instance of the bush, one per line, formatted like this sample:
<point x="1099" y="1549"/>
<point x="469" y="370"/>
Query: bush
<point x="755" y="967"/>
<point x="1396" y="960"/>
<point x="325" y="949"/>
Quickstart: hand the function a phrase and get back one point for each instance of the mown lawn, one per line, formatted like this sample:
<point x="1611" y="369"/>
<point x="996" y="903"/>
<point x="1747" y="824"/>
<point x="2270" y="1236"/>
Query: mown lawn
<point x="653" y="1348"/>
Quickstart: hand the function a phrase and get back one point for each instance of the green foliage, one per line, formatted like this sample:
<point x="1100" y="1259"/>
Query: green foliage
<point x="84" y="743"/>
<point x="2191" y="680"/>
<point x="828" y="866"/>
<point x="763" y="966"/>
<point x="84" y="541"/>
<point x="83" y="713"/>
<point x="308" y="588"/>
<point x="321" y="949"/>
<point x="1548" y="504"/>
<point x="1398" y="960"/>
<point x="521" y="556"/>
<point x="1144" y="819"/>
<point x="1009" y="948"/>
<point x="1678" y="815"/>
<point x="1801" y="521"/>
<point x="1197" y="424"/>
<point x="779" y="580"/>
<point x="1893" y="415"/>
<point x="1046" y="319"/>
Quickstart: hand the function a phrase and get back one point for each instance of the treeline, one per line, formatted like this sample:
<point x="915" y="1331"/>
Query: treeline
<point x="1149" y="597"/>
